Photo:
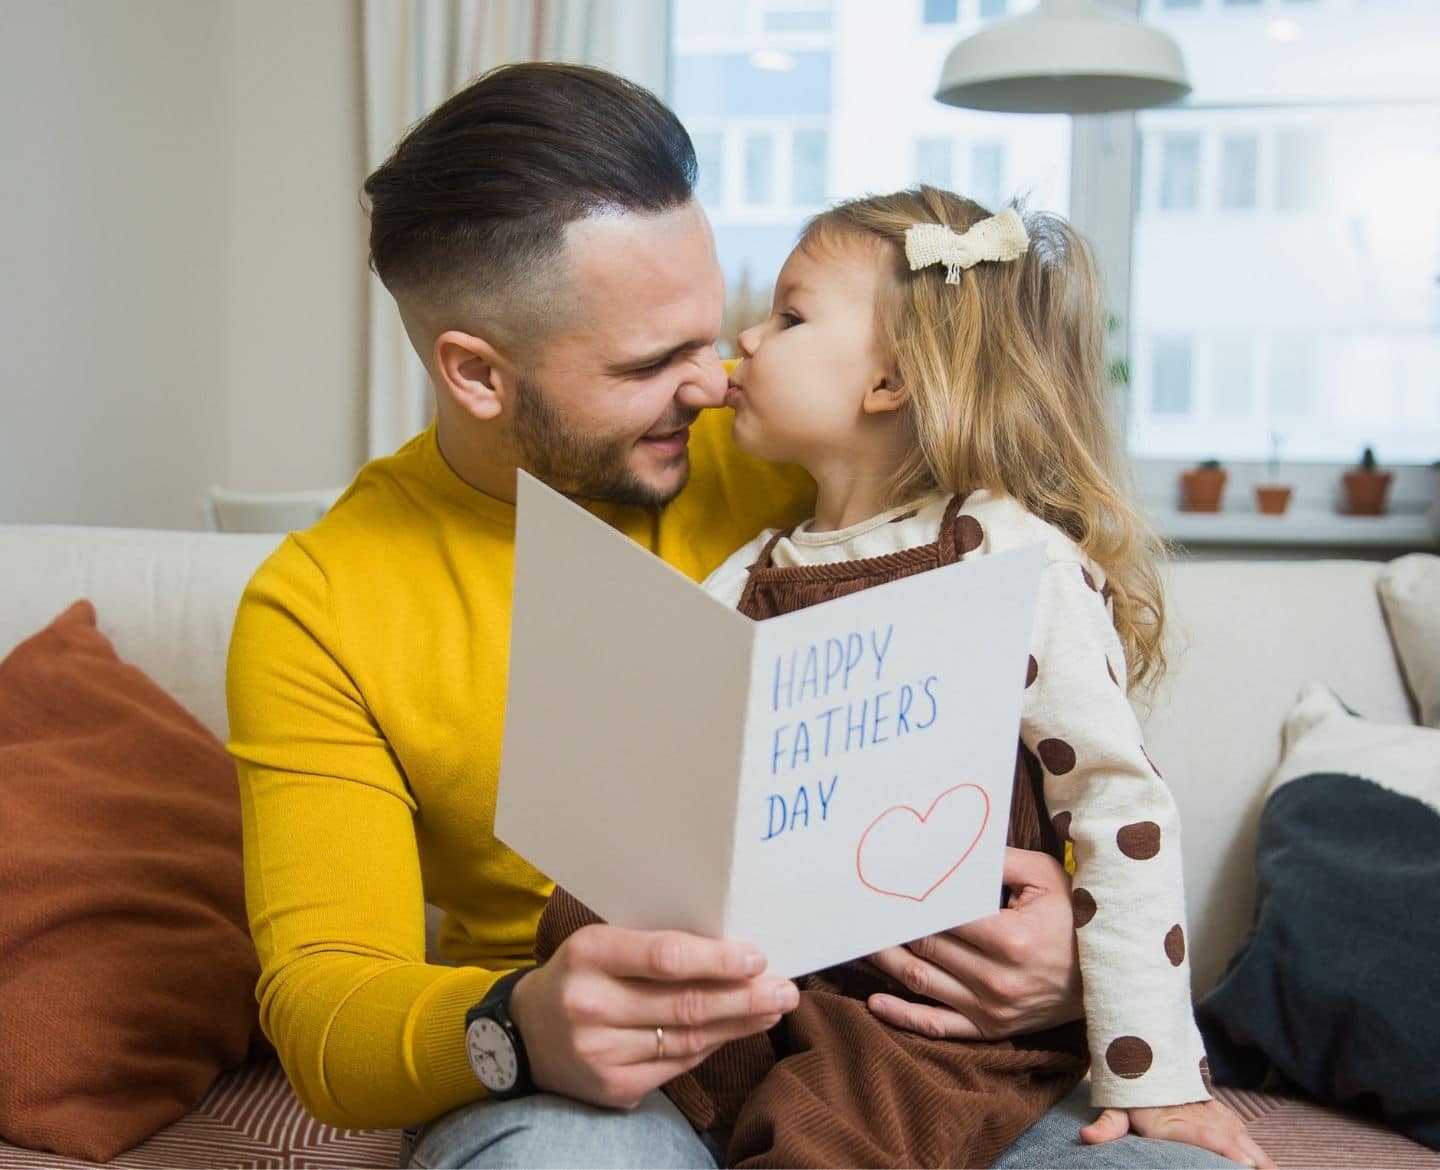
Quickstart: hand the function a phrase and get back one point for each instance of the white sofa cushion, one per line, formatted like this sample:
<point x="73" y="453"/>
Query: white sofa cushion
<point x="165" y="599"/>
<point x="1410" y="593"/>
<point x="1244" y="640"/>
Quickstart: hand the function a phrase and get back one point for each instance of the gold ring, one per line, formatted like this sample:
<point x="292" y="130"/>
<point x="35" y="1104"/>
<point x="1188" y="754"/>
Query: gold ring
<point x="659" y="1043"/>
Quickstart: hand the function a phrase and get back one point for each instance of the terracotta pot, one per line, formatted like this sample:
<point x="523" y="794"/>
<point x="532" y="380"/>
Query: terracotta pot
<point x="1365" y="491"/>
<point x="1272" y="499"/>
<point x="1201" y="489"/>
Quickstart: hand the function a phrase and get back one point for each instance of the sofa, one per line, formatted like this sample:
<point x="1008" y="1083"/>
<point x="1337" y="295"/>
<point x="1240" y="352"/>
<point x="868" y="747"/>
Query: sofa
<point x="1245" y="640"/>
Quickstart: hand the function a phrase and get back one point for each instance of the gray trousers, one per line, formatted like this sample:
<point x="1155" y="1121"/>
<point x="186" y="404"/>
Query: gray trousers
<point x="550" y="1131"/>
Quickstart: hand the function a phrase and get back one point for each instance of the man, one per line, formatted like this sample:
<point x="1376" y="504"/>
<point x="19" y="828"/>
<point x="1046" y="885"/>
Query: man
<point x="539" y="234"/>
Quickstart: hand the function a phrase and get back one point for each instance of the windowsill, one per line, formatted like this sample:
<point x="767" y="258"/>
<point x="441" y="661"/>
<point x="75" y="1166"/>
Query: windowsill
<point x="1298" y="527"/>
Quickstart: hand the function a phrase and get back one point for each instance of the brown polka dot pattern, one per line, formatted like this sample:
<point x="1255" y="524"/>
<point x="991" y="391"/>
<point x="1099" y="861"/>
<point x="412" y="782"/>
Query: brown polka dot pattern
<point x="969" y="535"/>
<point x="1032" y="671"/>
<point x="1129" y="1057"/>
<point x="1151" y="762"/>
<point x="1057" y="755"/>
<point x="1140" y="840"/>
<point x="1082" y="902"/>
<point x="1175" y="945"/>
<point x="1089" y="580"/>
<point x="1110" y="670"/>
<point x="1061" y="821"/>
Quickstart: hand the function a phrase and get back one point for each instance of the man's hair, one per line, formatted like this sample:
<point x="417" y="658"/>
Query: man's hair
<point x="471" y="208"/>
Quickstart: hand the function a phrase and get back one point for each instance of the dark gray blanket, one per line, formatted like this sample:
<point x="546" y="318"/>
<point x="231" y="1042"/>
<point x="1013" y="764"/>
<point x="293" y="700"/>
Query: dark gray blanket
<point x="1337" y="988"/>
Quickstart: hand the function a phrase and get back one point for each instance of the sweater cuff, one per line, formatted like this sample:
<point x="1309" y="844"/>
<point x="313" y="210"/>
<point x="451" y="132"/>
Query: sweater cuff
<point x="441" y="1064"/>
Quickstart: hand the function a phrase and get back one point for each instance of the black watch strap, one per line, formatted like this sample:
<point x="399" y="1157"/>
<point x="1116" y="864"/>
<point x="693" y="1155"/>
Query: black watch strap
<point x="496" y="1006"/>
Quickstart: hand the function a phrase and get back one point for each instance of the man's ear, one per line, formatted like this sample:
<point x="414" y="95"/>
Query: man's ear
<point x="886" y="395"/>
<point x="477" y="376"/>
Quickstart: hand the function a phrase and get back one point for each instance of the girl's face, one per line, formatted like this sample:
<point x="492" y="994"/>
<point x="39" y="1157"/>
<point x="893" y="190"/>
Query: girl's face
<point x="800" y="394"/>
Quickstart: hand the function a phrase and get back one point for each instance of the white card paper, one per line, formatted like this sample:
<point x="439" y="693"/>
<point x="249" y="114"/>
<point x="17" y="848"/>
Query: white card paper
<point x="821" y="784"/>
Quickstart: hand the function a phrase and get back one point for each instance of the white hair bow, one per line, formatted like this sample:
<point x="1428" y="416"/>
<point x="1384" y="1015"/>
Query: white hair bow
<point x="1001" y="237"/>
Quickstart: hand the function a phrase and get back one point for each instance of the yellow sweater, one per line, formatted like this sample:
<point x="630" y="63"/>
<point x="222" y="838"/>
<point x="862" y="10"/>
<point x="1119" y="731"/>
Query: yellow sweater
<point x="366" y="690"/>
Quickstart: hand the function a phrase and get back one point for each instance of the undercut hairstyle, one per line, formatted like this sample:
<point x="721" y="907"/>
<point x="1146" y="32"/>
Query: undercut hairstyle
<point x="469" y="212"/>
<point x="1009" y="390"/>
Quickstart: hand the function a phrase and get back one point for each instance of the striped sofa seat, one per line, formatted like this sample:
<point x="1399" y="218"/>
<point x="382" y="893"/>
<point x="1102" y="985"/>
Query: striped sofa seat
<point x="250" y="1118"/>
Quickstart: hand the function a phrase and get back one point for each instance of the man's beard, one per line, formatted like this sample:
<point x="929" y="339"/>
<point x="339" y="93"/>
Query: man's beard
<point x="580" y="464"/>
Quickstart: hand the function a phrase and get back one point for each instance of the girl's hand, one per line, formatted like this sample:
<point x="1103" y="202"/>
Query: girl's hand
<point x="1207" y="1124"/>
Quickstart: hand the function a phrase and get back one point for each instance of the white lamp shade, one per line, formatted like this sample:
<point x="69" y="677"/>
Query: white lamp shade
<point x="1065" y="57"/>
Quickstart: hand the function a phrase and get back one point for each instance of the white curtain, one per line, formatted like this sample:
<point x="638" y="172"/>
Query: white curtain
<point x="418" y="53"/>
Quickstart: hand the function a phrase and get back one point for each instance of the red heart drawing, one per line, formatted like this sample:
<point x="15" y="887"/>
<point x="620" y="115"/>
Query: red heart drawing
<point x="895" y="848"/>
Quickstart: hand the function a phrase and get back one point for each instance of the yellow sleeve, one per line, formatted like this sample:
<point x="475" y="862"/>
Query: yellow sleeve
<point x="369" y="1034"/>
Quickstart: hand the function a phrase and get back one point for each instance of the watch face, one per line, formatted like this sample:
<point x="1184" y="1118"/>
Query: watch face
<point x="492" y="1056"/>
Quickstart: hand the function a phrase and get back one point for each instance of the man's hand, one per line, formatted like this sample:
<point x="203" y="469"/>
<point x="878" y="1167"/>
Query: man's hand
<point x="1015" y="972"/>
<point x="1207" y="1124"/>
<point x="589" y="1015"/>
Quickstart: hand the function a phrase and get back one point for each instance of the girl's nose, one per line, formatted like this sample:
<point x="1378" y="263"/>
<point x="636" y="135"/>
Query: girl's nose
<point x="749" y="341"/>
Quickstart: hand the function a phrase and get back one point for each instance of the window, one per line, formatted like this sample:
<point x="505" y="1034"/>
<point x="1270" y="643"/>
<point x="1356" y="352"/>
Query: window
<point x="991" y="9"/>
<point x="1170" y="384"/>
<point x="710" y="164"/>
<point x="1316" y="312"/>
<point x="1292" y="377"/>
<point x="759" y="167"/>
<point x="1298" y="167"/>
<point x="1179" y="172"/>
<point x="941" y="11"/>
<point x="932" y="161"/>
<point x="987" y="174"/>
<point x="807" y="172"/>
<point x="1232" y="362"/>
<point x="1238" y="157"/>
<point x="799" y="17"/>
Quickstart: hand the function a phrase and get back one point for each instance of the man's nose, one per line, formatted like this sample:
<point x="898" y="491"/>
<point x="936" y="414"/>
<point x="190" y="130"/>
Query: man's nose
<point x="706" y="385"/>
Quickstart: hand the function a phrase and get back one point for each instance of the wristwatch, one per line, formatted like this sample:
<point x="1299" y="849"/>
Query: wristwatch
<point x="494" y="1045"/>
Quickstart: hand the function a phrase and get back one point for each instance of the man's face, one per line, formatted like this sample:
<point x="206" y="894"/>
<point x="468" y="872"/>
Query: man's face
<point x="605" y="413"/>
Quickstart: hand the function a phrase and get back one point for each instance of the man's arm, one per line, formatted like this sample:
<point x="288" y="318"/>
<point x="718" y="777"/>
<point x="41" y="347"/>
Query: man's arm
<point x="369" y="1033"/>
<point x="1012" y="973"/>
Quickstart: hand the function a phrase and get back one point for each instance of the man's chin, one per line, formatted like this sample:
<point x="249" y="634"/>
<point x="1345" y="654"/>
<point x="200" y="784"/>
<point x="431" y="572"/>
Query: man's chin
<point x="660" y="482"/>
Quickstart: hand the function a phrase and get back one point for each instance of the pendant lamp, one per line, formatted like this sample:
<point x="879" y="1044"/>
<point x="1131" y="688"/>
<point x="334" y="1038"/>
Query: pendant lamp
<point x="1065" y="57"/>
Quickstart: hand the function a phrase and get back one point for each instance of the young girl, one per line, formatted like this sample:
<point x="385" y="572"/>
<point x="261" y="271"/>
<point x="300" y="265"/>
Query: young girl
<point x="940" y="372"/>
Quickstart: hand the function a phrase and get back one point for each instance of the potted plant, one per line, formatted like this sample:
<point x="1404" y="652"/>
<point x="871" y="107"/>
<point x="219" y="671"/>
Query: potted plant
<point x="1366" y="487"/>
<point x="1272" y="497"/>
<point x="1202" y="486"/>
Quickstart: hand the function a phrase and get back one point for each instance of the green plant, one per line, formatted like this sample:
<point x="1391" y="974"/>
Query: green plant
<point x="1210" y="465"/>
<point x="1367" y="459"/>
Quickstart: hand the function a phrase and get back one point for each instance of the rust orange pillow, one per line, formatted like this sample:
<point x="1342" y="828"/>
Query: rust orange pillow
<point x="127" y="974"/>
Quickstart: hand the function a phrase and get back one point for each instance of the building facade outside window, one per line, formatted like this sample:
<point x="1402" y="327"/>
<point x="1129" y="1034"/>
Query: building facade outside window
<point x="790" y="113"/>
<point x="1283" y="268"/>
<point x="1288" y="222"/>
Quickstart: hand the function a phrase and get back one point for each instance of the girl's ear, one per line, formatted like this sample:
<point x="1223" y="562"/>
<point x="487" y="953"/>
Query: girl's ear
<point x="886" y="395"/>
<point x="475" y="374"/>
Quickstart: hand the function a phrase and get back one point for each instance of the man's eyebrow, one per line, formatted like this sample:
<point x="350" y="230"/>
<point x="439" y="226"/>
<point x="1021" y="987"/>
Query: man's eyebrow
<point x="657" y="357"/>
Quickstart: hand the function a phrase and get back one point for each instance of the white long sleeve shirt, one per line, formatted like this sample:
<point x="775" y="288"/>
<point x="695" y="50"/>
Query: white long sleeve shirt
<point x="1101" y="789"/>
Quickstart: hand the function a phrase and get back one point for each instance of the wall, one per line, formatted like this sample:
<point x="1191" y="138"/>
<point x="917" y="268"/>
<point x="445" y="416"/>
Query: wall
<point x="181" y="254"/>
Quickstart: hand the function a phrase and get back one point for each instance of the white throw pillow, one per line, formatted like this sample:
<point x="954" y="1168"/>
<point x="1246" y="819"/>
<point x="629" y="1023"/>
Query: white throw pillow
<point x="1323" y="737"/>
<point x="1410" y="594"/>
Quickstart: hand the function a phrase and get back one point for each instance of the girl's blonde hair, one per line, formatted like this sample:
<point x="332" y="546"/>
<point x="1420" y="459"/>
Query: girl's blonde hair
<point x="1007" y="385"/>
